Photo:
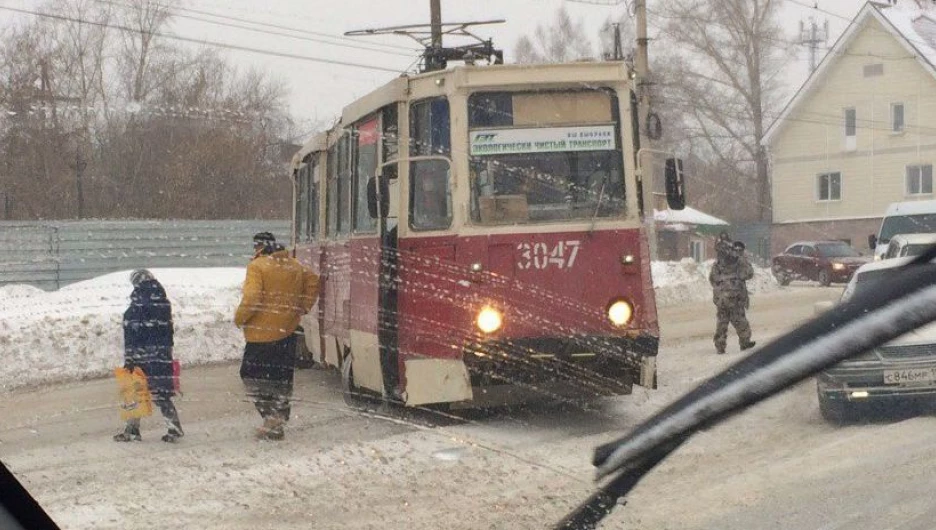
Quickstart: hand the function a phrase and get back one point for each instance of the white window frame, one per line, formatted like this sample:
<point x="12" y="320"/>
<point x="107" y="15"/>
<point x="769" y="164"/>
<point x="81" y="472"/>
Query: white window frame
<point x="851" y="140"/>
<point x="918" y="177"/>
<point x="697" y="249"/>
<point x="895" y="127"/>
<point x="818" y="188"/>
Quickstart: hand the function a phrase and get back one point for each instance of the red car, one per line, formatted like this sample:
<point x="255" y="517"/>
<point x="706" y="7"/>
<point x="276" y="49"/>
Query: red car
<point x="821" y="261"/>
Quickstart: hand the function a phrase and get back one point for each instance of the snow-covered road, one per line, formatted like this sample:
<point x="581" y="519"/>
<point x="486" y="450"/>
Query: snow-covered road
<point x="777" y="466"/>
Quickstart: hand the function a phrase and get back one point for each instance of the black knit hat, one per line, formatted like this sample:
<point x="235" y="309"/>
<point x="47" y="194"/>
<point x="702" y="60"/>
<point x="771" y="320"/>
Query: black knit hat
<point x="264" y="238"/>
<point x="139" y="276"/>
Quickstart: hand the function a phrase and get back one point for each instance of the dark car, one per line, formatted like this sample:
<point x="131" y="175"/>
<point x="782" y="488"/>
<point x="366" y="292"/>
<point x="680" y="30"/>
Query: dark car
<point x="819" y="261"/>
<point x="903" y="369"/>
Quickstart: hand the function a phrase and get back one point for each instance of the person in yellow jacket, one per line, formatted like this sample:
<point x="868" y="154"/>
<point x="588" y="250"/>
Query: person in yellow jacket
<point x="277" y="292"/>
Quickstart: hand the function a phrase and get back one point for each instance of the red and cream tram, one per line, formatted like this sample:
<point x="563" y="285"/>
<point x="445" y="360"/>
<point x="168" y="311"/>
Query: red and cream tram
<point x="479" y="233"/>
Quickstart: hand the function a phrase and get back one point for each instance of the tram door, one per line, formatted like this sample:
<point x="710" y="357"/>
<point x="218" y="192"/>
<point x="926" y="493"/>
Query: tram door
<point x="374" y="258"/>
<point x="388" y="315"/>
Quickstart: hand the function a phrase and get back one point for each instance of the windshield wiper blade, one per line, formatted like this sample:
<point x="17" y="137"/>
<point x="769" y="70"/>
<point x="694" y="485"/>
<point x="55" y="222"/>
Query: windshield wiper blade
<point x="899" y="304"/>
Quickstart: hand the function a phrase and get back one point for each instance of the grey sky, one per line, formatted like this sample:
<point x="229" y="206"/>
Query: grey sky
<point x="318" y="91"/>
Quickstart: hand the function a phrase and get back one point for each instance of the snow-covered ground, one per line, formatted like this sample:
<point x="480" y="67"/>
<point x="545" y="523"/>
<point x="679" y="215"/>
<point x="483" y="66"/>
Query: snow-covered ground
<point x="776" y="466"/>
<point x="75" y="332"/>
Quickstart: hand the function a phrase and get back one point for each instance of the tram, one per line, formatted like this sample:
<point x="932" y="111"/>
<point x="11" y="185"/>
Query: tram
<point x="480" y="236"/>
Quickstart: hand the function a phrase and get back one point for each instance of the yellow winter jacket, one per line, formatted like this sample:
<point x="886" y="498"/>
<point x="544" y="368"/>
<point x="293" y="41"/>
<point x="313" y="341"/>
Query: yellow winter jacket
<point x="277" y="291"/>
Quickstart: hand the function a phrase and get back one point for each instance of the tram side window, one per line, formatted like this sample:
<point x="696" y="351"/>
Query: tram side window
<point x="331" y="192"/>
<point x="430" y="180"/>
<point x="307" y="200"/>
<point x="302" y="199"/>
<point x="343" y="204"/>
<point x="313" y="209"/>
<point x="365" y="167"/>
<point x="390" y="140"/>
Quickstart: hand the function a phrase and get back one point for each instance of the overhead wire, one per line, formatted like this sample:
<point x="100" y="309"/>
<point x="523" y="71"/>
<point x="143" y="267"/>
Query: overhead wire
<point x="270" y="32"/>
<point x="204" y="42"/>
<point x="291" y="17"/>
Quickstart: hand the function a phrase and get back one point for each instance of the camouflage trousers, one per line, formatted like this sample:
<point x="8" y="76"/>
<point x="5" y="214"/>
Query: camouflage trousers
<point x="734" y="314"/>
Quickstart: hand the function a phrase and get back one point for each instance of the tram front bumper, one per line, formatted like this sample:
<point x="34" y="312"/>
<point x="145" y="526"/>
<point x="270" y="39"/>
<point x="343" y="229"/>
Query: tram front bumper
<point x="581" y="365"/>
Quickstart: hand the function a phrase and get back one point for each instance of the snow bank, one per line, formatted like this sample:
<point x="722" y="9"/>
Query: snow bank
<point x="687" y="281"/>
<point x="76" y="332"/>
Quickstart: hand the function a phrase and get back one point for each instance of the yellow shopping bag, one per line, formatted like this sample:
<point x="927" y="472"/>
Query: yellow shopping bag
<point x="135" y="398"/>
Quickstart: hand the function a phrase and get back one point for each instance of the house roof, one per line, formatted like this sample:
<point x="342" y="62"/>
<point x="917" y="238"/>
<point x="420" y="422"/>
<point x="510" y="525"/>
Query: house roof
<point x="914" y="29"/>
<point x="686" y="216"/>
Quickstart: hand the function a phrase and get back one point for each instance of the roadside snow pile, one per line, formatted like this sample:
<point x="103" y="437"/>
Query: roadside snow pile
<point x="76" y="332"/>
<point x="687" y="281"/>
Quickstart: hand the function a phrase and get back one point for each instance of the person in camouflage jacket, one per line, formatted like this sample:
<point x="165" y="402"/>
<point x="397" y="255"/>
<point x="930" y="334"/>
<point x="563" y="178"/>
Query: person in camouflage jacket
<point x="728" y="277"/>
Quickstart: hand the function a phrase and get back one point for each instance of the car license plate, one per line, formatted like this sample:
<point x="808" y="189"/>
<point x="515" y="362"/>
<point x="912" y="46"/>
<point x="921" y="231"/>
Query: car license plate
<point x="910" y="376"/>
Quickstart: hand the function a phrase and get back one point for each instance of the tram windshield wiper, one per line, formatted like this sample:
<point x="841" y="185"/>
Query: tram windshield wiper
<point x="900" y="303"/>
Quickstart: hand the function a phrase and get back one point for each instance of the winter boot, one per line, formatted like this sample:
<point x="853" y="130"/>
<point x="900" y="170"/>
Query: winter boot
<point x="272" y="429"/>
<point x="129" y="434"/>
<point x="276" y="433"/>
<point x="173" y="435"/>
<point x="748" y="345"/>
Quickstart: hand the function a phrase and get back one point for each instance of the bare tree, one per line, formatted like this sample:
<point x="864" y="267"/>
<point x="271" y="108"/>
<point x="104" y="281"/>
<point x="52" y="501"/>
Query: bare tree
<point x="124" y="124"/>
<point x="562" y="41"/>
<point x="140" y="45"/>
<point x="724" y="56"/>
<point x="82" y="51"/>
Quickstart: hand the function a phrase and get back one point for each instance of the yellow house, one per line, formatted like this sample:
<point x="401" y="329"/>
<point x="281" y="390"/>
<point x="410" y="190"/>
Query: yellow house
<point x="860" y="133"/>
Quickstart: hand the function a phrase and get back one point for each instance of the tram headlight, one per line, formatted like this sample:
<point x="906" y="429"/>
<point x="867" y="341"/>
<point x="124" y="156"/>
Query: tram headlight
<point x="620" y="313"/>
<point x="489" y="319"/>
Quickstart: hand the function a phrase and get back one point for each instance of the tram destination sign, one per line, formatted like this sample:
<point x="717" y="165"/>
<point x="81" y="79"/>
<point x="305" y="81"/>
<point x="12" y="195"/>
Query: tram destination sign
<point x="542" y="140"/>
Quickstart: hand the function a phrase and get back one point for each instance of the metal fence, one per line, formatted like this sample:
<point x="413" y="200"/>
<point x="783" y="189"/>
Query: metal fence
<point x="55" y="253"/>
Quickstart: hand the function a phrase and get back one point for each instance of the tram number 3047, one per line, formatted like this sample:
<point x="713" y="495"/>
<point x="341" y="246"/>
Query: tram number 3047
<point x="540" y="256"/>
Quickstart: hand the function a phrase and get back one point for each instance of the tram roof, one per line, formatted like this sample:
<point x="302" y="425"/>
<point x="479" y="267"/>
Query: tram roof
<point x="470" y="77"/>
<point x="318" y="142"/>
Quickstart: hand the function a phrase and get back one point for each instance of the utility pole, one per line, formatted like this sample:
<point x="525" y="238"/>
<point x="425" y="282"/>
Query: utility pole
<point x="435" y="20"/>
<point x="618" y="52"/>
<point x="50" y="100"/>
<point x="80" y="166"/>
<point x="813" y="37"/>
<point x="434" y="55"/>
<point x="642" y="86"/>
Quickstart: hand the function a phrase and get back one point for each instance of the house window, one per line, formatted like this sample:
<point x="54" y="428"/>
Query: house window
<point x="897" y="117"/>
<point x="920" y="180"/>
<point x="872" y="70"/>
<point x="697" y="250"/>
<point x="829" y="186"/>
<point x="851" y="129"/>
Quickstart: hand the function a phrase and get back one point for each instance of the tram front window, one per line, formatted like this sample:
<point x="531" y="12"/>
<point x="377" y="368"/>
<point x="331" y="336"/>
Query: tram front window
<point x="546" y="187"/>
<point x="544" y="157"/>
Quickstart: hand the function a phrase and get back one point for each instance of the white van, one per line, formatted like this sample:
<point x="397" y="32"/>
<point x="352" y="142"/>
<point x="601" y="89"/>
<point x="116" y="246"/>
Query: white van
<point x="913" y="217"/>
